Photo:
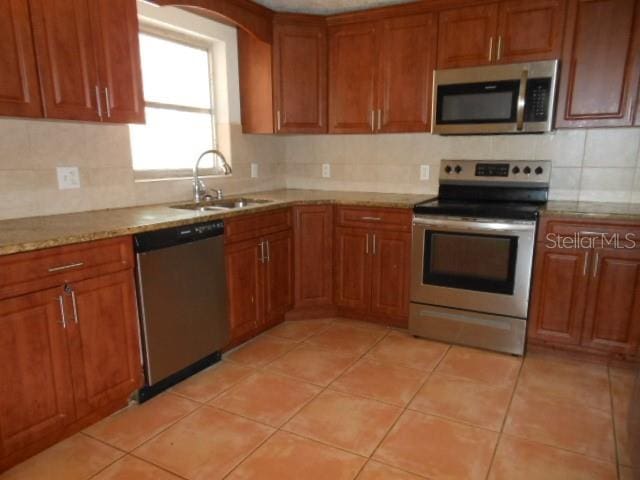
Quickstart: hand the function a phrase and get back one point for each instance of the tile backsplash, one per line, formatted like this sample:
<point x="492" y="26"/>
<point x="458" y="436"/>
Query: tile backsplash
<point x="588" y="165"/>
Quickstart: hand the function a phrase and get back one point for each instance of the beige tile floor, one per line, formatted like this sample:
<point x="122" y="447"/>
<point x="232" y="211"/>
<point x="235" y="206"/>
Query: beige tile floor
<point x="337" y="399"/>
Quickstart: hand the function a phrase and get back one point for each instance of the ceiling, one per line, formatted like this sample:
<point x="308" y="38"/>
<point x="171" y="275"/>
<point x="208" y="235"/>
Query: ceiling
<point x="324" y="7"/>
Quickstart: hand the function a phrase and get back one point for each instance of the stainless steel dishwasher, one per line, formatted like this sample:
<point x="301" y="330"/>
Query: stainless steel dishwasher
<point x="182" y="297"/>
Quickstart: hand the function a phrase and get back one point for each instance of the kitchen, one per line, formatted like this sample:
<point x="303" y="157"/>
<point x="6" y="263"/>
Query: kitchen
<point x="264" y="316"/>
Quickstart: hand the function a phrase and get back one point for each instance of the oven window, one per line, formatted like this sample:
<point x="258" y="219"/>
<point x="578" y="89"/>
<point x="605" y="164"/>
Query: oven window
<point x="494" y="102"/>
<point x="470" y="261"/>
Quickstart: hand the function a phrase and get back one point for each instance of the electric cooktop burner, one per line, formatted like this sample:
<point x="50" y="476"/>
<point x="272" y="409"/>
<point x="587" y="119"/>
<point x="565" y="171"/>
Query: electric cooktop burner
<point x="464" y="208"/>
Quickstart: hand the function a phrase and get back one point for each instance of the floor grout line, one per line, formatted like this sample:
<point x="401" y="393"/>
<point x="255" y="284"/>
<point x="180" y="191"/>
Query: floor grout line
<point x="613" y="422"/>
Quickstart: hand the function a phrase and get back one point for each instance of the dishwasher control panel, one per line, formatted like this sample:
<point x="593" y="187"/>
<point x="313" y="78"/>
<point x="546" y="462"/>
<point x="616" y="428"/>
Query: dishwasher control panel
<point x="147" y="241"/>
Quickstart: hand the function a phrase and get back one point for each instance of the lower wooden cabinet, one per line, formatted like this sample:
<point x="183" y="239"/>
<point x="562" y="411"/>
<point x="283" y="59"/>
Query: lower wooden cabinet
<point x="69" y="352"/>
<point x="260" y="282"/>
<point x="372" y="273"/>
<point x="103" y="340"/>
<point x="36" y="391"/>
<point x="587" y="299"/>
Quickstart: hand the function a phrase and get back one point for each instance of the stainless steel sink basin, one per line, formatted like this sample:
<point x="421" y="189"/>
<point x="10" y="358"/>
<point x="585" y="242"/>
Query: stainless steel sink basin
<point x="219" y="205"/>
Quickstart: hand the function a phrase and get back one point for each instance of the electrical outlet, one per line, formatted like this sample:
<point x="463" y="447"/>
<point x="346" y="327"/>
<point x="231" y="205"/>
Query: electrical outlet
<point x="425" y="172"/>
<point x="326" y="170"/>
<point x="254" y="170"/>
<point x="68" y="178"/>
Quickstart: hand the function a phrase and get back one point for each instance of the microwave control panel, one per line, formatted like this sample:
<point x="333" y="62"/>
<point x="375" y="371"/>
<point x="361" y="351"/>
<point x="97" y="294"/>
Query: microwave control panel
<point x="537" y="100"/>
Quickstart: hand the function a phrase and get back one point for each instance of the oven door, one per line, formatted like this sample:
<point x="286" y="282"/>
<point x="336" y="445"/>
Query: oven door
<point x="479" y="265"/>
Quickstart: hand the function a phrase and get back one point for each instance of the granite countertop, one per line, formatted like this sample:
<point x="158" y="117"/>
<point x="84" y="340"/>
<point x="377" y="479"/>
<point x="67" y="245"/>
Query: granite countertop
<point x="33" y="233"/>
<point x="594" y="210"/>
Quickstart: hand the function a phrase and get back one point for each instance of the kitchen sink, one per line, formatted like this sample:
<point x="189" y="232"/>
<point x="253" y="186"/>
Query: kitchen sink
<point x="226" y="204"/>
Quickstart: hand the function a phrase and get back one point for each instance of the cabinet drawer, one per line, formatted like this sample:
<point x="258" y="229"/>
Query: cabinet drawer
<point x="380" y="218"/>
<point x="28" y="272"/>
<point x="555" y="228"/>
<point x="252" y="226"/>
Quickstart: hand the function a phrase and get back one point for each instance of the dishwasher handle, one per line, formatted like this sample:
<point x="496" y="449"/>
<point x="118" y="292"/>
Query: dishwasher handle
<point x="170" y="237"/>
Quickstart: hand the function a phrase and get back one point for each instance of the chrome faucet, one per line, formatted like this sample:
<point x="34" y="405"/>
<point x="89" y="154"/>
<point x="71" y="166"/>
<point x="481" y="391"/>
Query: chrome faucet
<point x="199" y="188"/>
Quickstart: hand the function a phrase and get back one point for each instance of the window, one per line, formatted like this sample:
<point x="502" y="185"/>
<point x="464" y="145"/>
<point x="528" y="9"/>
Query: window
<point x="180" y="120"/>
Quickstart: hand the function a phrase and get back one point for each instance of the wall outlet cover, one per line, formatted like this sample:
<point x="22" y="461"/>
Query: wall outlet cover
<point x="326" y="170"/>
<point x="254" y="170"/>
<point x="425" y="172"/>
<point x="68" y="178"/>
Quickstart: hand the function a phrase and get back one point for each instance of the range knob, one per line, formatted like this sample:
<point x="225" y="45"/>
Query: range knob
<point x="458" y="169"/>
<point x="539" y="171"/>
<point x="527" y="170"/>
<point x="447" y="169"/>
<point x="516" y="170"/>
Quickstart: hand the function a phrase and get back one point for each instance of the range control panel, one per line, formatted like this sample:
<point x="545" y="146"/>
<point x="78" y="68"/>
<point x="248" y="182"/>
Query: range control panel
<point x="498" y="171"/>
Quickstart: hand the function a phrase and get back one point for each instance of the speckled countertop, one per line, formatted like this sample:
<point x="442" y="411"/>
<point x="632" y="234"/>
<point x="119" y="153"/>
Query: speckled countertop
<point x="594" y="210"/>
<point x="33" y="233"/>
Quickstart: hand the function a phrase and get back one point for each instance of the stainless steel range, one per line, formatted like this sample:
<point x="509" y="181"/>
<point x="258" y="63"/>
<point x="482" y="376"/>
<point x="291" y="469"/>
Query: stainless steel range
<point x="473" y="253"/>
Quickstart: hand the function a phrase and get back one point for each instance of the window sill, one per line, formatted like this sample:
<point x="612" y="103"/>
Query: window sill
<point x="141" y="178"/>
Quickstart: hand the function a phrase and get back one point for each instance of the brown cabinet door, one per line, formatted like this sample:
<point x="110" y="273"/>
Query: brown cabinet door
<point x="115" y="27"/>
<point x="530" y="31"/>
<point x="467" y="36"/>
<point x="353" y="65"/>
<point x="601" y="64"/>
<point x="612" y="321"/>
<point x="352" y="269"/>
<point x="244" y="283"/>
<point x="278" y="276"/>
<point x="407" y="60"/>
<point x="19" y="86"/>
<point x="300" y="78"/>
<point x="36" y="392"/>
<point x="66" y="61"/>
<point x="391" y="252"/>
<point x="104" y="340"/>
<point x="313" y="260"/>
<point x="559" y="285"/>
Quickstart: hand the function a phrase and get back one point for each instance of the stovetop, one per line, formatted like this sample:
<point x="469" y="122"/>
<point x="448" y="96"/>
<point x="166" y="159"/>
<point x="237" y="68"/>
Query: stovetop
<point x="471" y="209"/>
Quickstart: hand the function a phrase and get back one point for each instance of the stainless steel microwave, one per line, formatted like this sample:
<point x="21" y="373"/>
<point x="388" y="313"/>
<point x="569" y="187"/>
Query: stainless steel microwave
<point x="513" y="98"/>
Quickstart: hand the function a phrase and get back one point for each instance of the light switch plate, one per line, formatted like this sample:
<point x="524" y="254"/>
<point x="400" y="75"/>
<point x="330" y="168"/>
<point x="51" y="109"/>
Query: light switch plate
<point x="326" y="170"/>
<point x="254" y="170"/>
<point x="68" y="178"/>
<point x="425" y="172"/>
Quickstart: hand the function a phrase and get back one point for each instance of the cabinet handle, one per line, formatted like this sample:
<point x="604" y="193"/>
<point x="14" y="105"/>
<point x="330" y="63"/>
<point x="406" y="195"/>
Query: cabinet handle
<point x="586" y="265"/>
<point x="499" y="48"/>
<point x="379" y="119"/>
<point x="268" y="252"/>
<point x="278" y="121"/>
<point x="62" y="314"/>
<point x="490" y="48"/>
<point x="68" y="289"/>
<point x="107" y="100"/>
<point x="98" y="102"/>
<point x="62" y="268"/>
<point x="373" y="120"/>
<point x="262" y="252"/>
<point x="596" y="261"/>
<point x="366" y="248"/>
<point x="371" y="219"/>
<point x="374" y="243"/>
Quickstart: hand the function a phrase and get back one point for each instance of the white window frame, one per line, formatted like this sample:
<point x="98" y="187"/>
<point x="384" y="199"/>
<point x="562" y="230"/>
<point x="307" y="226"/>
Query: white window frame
<point x="194" y="41"/>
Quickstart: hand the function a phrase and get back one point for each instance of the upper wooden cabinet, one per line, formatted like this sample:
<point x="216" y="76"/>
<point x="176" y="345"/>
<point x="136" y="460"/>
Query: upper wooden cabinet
<point x="380" y="75"/>
<point x="506" y="32"/>
<point x="19" y="87"/>
<point x="283" y="86"/>
<point x="407" y="60"/>
<point x="466" y="36"/>
<point x="601" y="64"/>
<point x="115" y="32"/>
<point x="300" y="77"/>
<point x="353" y="67"/>
<point x="87" y="57"/>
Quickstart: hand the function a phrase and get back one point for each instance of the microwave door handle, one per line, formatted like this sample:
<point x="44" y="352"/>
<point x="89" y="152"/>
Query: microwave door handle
<point x="521" y="100"/>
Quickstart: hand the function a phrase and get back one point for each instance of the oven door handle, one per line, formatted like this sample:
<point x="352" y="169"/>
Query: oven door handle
<point x="473" y="226"/>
